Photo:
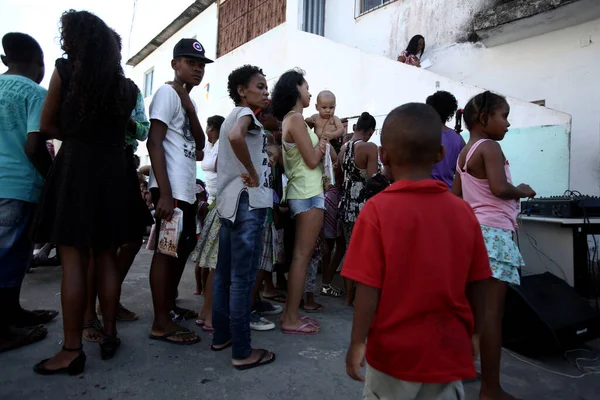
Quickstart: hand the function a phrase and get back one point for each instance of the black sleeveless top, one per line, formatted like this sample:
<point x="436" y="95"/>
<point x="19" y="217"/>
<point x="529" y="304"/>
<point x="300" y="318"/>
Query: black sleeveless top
<point x="108" y="128"/>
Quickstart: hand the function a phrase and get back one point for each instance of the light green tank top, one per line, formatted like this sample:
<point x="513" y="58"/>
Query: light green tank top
<point x="303" y="182"/>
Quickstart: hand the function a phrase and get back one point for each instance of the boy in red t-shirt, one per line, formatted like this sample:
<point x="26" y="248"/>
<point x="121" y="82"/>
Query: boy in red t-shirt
<point x="419" y="260"/>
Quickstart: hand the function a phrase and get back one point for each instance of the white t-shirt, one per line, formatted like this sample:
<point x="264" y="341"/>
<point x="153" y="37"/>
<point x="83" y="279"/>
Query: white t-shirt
<point x="208" y="164"/>
<point x="179" y="144"/>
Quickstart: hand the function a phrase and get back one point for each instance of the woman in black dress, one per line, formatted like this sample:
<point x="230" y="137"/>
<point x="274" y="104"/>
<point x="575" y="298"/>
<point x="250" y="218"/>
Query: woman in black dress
<point x="86" y="204"/>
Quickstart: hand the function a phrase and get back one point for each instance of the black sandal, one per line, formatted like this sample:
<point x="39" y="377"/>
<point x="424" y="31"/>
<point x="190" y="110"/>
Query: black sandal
<point x="258" y="363"/>
<point x="224" y="346"/>
<point x="109" y="347"/>
<point x="76" y="366"/>
<point x="93" y="324"/>
<point x="185" y="313"/>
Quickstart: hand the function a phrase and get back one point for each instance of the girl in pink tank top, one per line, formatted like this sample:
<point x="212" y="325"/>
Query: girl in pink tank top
<point x="483" y="180"/>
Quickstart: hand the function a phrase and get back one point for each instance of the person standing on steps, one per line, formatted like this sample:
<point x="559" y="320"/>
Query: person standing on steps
<point x="414" y="51"/>
<point x="24" y="162"/>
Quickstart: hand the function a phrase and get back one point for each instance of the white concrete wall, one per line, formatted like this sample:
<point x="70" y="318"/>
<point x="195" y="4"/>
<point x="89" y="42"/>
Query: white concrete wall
<point x="559" y="67"/>
<point x="552" y="67"/>
<point x="204" y="27"/>
<point x="361" y="81"/>
<point x="387" y="30"/>
<point x="365" y="82"/>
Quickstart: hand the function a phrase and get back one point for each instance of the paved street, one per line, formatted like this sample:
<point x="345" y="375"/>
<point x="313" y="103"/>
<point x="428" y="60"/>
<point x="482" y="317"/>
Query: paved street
<point x="306" y="367"/>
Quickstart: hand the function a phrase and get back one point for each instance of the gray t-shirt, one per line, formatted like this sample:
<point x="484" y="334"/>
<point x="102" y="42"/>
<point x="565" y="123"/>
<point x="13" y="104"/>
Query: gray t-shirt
<point x="229" y="168"/>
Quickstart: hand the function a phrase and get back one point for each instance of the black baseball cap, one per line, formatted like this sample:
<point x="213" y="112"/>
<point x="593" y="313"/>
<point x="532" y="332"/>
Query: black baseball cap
<point x="190" y="48"/>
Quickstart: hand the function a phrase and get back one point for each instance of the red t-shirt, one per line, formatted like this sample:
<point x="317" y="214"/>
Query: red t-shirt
<point x="420" y="245"/>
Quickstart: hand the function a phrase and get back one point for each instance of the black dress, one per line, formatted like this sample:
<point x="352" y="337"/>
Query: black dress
<point x="87" y="200"/>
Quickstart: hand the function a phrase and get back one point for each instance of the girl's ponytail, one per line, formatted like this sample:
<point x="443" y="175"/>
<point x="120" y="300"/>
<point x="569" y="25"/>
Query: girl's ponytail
<point x="459" y="117"/>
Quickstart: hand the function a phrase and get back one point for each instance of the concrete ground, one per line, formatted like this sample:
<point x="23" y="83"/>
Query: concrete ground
<point x="306" y="367"/>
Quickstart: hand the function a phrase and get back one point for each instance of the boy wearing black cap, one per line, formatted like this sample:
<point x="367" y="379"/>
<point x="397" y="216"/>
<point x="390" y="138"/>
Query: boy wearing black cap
<point x="175" y="134"/>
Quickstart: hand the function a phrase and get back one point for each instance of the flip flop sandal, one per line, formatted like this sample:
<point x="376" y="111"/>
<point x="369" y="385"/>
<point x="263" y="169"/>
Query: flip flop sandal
<point x="35" y="335"/>
<point x="224" y="347"/>
<point x="279" y="298"/>
<point x="36" y="317"/>
<point x="166" y="336"/>
<point x="185" y="313"/>
<point x="97" y="325"/>
<point x="300" y="330"/>
<point x="208" y="329"/>
<point x="200" y="322"/>
<point x="131" y="315"/>
<point x="258" y="363"/>
<point x="313" y="321"/>
<point x="317" y="309"/>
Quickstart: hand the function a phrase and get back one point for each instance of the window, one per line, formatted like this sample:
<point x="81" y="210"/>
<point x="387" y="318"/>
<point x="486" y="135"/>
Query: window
<point x="240" y="21"/>
<point x="314" y="17"/>
<point x="148" y="81"/>
<point x="365" y="6"/>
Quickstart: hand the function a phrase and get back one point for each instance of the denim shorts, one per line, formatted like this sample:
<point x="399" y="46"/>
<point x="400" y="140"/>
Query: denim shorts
<point x="303" y="205"/>
<point x="16" y="249"/>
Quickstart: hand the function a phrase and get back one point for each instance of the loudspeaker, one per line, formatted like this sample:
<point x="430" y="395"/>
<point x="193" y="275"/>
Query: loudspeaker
<point x="545" y="316"/>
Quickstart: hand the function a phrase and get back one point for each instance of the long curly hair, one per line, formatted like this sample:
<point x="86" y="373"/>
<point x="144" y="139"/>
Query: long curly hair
<point x="97" y="84"/>
<point x="285" y="93"/>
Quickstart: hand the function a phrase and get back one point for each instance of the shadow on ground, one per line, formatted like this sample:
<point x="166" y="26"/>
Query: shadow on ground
<point x="309" y="367"/>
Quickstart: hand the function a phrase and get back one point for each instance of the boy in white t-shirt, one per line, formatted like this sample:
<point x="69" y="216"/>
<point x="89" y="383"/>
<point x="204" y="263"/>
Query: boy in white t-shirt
<point x="175" y="133"/>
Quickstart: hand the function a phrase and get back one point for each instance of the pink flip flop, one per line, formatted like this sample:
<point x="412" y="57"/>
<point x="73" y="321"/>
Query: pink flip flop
<point x="299" y="330"/>
<point x="310" y="320"/>
<point x="200" y="322"/>
<point x="207" y="329"/>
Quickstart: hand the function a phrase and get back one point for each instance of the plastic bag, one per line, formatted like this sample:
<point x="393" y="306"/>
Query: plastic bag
<point x="329" y="177"/>
<point x="170" y="231"/>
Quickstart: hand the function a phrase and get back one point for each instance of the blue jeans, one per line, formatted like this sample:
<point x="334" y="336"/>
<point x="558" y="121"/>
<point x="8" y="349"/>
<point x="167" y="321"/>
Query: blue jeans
<point x="240" y="245"/>
<point x="16" y="249"/>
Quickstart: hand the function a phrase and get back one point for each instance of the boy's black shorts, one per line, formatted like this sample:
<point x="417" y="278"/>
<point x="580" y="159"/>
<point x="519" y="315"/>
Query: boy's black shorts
<point x="187" y="240"/>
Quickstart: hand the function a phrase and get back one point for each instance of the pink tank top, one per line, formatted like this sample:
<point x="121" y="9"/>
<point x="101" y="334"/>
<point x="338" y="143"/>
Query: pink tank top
<point x="490" y="210"/>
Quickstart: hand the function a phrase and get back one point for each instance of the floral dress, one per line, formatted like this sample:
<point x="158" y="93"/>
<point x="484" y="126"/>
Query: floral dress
<point x="354" y="195"/>
<point x="410" y="59"/>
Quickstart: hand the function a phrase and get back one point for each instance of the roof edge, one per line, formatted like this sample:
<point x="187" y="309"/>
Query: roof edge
<point x="195" y="9"/>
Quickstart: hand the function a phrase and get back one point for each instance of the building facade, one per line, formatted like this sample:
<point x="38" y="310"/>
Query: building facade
<point x="350" y="47"/>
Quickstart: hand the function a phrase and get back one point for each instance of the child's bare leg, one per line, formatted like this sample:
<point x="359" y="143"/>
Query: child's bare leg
<point x="310" y="300"/>
<point x="281" y="280"/>
<point x="205" y="273"/>
<point x="311" y="285"/>
<point x="491" y="342"/>
<point x="260" y="276"/>
<point x="349" y="288"/>
<point x="269" y="288"/>
<point x="206" y="312"/>
<point x="199" y="282"/>
<point x="338" y="247"/>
